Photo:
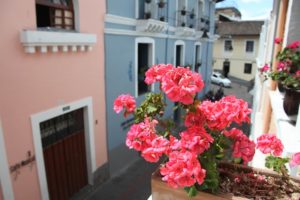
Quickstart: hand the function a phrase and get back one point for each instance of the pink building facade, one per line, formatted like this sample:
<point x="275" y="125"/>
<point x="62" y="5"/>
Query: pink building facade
<point x="52" y="104"/>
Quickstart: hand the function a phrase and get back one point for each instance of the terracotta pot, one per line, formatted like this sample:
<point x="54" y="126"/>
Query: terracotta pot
<point x="291" y="101"/>
<point x="161" y="191"/>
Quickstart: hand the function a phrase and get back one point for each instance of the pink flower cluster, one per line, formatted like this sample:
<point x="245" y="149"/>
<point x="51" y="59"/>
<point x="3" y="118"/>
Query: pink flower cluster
<point x="269" y="143"/>
<point x="265" y="68"/>
<point x="221" y="114"/>
<point x="243" y="147"/>
<point x="180" y="84"/>
<point x="196" y="140"/>
<point x="142" y="137"/>
<point x="182" y="170"/>
<point x="294" y="45"/>
<point x="124" y="101"/>
<point x="295" y="159"/>
<point x="194" y="118"/>
<point x="278" y="40"/>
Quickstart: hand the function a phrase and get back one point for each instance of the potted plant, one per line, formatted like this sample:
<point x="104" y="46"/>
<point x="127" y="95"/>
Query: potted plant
<point x="183" y="11"/>
<point x="183" y="24"/>
<point x="191" y="26"/>
<point x="147" y="15"/>
<point x="287" y="75"/>
<point x="161" y="3"/>
<point x="162" y="18"/>
<point x="193" y="158"/>
<point x="192" y="14"/>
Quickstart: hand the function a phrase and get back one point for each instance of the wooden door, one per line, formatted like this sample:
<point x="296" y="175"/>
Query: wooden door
<point x="64" y="154"/>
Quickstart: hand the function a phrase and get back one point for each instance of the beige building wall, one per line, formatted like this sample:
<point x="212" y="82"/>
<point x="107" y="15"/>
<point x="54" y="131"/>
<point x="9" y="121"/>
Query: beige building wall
<point x="237" y="57"/>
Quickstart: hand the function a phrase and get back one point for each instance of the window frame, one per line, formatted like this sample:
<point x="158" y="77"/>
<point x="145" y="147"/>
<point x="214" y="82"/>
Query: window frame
<point x="246" y="70"/>
<point x="230" y="49"/>
<point x="179" y="43"/>
<point x="247" y="46"/>
<point x="63" y="8"/>
<point x="143" y="40"/>
<point x="197" y="58"/>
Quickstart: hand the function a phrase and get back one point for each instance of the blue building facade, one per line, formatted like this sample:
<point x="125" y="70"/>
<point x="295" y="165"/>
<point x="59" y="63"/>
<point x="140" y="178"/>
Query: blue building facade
<point x="140" y="33"/>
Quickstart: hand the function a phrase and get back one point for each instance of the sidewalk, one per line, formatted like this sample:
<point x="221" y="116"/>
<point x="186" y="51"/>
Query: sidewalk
<point x="132" y="184"/>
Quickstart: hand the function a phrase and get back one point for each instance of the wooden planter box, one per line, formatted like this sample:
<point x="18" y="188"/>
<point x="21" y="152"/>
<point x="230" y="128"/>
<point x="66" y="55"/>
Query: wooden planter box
<point x="161" y="191"/>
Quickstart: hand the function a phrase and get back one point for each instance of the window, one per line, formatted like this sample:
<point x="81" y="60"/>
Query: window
<point x="248" y="68"/>
<point x="249" y="46"/>
<point x="181" y="14"/>
<point x="197" y="58"/>
<point x="228" y="45"/>
<point x="55" y="14"/>
<point x="144" y="62"/>
<point x="179" y="53"/>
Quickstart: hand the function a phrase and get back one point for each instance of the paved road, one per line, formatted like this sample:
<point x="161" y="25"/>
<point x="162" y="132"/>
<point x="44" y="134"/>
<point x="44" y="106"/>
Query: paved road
<point x="240" y="90"/>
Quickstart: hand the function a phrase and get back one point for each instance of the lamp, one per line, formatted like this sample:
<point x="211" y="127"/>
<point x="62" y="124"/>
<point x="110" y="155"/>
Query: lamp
<point x="205" y="34"/>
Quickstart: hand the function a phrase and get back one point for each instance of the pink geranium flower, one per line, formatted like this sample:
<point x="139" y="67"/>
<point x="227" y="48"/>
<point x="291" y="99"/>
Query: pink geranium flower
<point x="278" y="40"/>
<point x="194" y="118"/>
<point x="295" y="160"/>
<point x="221" y="114"/>
<point x="157" y="72"/>
<point x="182" y="170"/>
<point x="141" y="135"/>
<point x="281" y="66"/>
<point x="125" y="101"/>
<point x="181" y="85"/>
<point x="233" y="133"/>
<point x="264" y="68"/>
<point x="196" y="140"/>
<point x="243" y="148"/>
<point x="294" y="45"/>
<point x="269" y="143"/>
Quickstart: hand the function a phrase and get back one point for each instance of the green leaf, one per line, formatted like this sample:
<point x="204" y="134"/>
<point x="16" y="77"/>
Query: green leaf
<point x="191" y="191"/>
<point x="151" y="109"/>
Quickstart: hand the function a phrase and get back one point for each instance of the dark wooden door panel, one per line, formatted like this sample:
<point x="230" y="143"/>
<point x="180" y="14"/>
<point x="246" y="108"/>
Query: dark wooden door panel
<point x="65" y="155"/>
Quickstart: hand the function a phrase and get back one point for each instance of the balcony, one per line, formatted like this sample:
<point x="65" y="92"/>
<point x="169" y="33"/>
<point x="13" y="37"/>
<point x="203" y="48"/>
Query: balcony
<point x="184" y="31"/>
<point x="152" y="18"/>
<point x="43" y="41"/>
<point x="151" y="25"/>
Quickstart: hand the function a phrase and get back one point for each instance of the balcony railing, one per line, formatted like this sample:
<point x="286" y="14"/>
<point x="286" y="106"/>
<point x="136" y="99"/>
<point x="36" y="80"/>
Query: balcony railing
<point x="153" y="18"/>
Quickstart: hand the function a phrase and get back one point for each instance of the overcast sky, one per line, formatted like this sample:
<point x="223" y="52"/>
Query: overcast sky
<point x="250" y="9"/>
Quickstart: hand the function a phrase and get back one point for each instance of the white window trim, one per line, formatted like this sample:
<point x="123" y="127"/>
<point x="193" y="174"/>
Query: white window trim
<point x="5" y="179"/>
<point x="146" y="40"/>
<point x="197" y="7"/>
<point x="179" y="42"/>
<point x="247" y="52"/>
<point x="200" y="53"/>
<point x="37" y="118"/>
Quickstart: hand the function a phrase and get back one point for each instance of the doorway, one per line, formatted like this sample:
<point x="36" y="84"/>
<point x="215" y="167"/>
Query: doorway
<point x="226" y="68"/>
<point x="64" y="151"/>
<point x="179" y="53"/>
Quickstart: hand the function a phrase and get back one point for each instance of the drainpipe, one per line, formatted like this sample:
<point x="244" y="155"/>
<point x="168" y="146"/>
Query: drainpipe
<point x="279" y="34"/>
<point x="167" y="38"/>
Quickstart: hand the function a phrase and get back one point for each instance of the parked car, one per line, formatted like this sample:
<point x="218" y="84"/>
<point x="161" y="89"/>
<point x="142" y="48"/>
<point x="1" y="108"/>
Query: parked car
<point x="219" y="79"/>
